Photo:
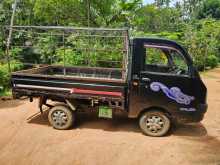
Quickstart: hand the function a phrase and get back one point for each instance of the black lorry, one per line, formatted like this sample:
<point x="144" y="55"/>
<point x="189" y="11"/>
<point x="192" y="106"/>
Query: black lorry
<point x="157" y="84"/>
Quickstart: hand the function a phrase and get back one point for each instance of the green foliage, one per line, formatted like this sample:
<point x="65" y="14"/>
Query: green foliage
<point x="5" y="75"/>
<point x="156" y="56"/>
<point x="152" y="19"/>
<point x="201" y="39"/>
<point x="59" y="12"/>
<point x="4" y="14"/>
<point x="209" y="8"/>
<point x="212" y="61"/>
<point x="69" y="57"/>
<point x="46" y="48"/>
<point x="193" y="23"/>
<point x="202" y="42"/>
<point x="161" y="3"/>
<point x="5" y="92"/>
<point x="86" y="51"/>
<point x="101" y="12"/>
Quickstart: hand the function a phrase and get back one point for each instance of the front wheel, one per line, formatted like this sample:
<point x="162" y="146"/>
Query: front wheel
<point x="154" y="123"/>
<point x="61" y="117"/>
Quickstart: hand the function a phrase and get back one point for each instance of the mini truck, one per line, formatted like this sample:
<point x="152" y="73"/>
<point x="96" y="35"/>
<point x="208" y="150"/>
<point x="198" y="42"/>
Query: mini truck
<point x="157" y="83"/>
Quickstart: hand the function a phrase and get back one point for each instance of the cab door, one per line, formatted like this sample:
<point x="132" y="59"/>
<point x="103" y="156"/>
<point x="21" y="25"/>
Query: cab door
<point x="161" y="79"/>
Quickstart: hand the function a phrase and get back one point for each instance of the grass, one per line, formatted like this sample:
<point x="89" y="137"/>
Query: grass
<point x="5" y="93"/>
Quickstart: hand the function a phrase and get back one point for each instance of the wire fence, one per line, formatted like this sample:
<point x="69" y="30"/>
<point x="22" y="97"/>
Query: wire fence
<point x="34" y="46"/>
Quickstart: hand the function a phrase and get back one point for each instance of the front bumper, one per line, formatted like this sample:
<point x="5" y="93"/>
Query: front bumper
<point x="203" y="107"/>
<point x="193" y="117"/>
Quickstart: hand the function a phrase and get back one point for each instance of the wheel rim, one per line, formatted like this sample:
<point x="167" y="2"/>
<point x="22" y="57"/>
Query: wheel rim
<point x="59" y="118"/>
<point x="154" y="124"/>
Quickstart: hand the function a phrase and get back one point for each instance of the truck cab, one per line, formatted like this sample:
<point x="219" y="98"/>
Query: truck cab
<point x="164" y="81"/>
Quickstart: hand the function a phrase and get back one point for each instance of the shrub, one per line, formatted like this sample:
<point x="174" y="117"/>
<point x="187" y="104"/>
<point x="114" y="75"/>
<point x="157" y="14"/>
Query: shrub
<point x="5" y="75"/>
<point x="212" y="61"/>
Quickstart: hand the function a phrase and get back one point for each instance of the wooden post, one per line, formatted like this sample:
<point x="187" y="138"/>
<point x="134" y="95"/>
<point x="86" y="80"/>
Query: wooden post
<point x="64" y="55"/>
<point x="88" y="13"/>
<point x="10" y="34"/>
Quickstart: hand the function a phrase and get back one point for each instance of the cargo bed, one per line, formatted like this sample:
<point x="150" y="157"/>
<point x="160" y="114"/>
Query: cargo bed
<point x="70" y="82"/>
<point x="82" y="73"/>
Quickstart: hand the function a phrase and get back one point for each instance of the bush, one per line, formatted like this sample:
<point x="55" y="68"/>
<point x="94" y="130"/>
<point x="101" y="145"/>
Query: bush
<point x="5" y="75"/>
<point x="212" y="61"/>
<point x="202" y="42"/>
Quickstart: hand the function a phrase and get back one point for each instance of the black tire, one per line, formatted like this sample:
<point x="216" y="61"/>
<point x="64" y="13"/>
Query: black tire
<point x="154" y="123"/>
<point x="61" y="117"/>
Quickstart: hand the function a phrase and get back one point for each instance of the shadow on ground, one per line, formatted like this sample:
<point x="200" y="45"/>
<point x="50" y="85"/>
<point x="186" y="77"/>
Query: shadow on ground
<point x="119" y="123"/>
<point x="192" y="130"/>
<point x="10" y="103"/>
<point x="39" y="118"/>
<point x="91" y="121"/>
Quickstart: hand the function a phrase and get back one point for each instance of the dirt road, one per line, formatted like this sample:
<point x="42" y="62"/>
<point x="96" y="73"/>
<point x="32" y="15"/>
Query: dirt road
<point x="27" y="139"/>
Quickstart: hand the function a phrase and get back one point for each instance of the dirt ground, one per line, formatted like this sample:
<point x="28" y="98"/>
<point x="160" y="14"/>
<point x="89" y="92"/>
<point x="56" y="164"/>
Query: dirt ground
<point x="27" y="138"/>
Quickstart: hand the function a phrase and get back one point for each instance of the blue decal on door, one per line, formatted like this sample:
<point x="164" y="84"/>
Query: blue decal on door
<point x="173" y="93"/>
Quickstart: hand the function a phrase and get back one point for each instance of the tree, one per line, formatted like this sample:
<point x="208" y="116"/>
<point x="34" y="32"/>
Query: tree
<point x="114" y="12"/>
<point x="202" y="41"/>
<point x="60" y="12"/>
<point x="5" y="11"/>
<point x="150" y="18"/>
<point x="160" y="3"/>
<point x="209" y="8"/>
<point x="100" y="12"/>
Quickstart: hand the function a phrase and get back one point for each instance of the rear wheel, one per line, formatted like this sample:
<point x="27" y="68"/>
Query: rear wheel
<point x="61" y="117"/>
<point x="154" y="123"/>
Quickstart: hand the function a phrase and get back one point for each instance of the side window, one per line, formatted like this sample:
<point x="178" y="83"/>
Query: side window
<point x="155" y="56"/>
<point x="180" y="66"/>
<point x="179" y="62"/>
<point x="165" y="59"/>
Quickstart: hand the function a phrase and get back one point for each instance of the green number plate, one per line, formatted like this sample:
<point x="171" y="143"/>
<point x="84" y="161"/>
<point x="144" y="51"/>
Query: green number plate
<point x="105" y="112"/>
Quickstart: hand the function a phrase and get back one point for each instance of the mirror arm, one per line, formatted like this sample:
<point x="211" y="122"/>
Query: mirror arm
<point x="192" y="71"/>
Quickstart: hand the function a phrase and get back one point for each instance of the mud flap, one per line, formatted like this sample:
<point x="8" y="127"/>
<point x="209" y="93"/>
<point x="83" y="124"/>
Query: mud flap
<point x="105" y="112"/>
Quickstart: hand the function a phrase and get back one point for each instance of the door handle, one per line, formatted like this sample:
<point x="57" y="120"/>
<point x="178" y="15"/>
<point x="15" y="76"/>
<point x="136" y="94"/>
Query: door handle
<point x="146" y="79"/>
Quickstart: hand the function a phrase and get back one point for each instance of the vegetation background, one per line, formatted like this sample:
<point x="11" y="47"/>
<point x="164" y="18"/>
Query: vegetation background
<point x="193" y="23"/>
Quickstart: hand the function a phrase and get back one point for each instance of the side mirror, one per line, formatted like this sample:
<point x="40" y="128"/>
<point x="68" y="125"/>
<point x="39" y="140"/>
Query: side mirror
<point x="194" y="72"/>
